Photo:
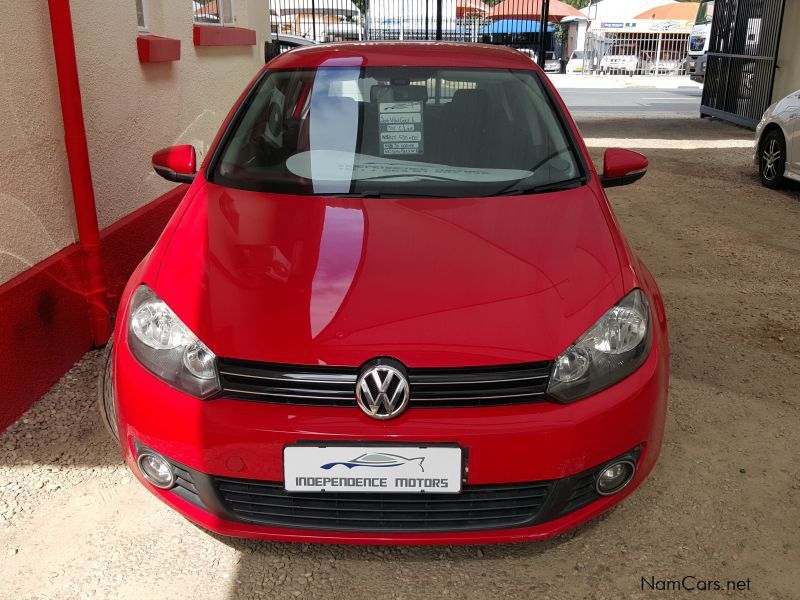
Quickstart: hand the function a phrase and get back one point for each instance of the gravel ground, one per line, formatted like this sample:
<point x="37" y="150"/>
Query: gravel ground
<point x="721" y="504"/>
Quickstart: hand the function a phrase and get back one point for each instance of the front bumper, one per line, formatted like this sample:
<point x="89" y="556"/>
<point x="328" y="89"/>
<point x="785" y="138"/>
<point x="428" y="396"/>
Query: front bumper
<point x="244" y="441"/>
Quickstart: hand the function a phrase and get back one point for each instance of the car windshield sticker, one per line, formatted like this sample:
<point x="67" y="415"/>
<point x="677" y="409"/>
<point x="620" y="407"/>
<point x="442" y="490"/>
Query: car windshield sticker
<point x="400" y="128"/>
<point x="335" y="165"/>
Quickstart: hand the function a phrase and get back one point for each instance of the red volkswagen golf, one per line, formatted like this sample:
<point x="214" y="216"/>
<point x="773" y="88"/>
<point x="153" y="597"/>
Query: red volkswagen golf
<point x="393" y="307"/>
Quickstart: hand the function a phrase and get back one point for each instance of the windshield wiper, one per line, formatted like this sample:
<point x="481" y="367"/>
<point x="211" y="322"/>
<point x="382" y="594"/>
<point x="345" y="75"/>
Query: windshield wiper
<point x="371" y="194"/>
<point x="422" y="176"/>
<point x="567" y="184"/>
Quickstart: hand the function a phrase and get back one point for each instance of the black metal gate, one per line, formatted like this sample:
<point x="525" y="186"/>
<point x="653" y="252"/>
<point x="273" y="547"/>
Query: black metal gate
<point x="522" y="24"/>
<point x="742" y="56"/>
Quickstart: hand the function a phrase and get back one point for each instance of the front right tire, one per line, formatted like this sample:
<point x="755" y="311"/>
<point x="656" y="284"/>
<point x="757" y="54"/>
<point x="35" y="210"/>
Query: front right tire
<point x="772" y="159"/>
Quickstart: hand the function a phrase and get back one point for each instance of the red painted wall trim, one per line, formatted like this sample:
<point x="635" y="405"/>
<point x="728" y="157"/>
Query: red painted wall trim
<point x="214" y="35"/>
<point x="80" y="172"/>
<point x="153" y="48"/>
<point x="44" y="322"/>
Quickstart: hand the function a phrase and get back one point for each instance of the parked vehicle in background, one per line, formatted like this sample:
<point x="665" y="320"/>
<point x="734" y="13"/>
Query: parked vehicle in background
<point x="624" y="59"/>
<point x="284" y="43"/>
<point x="530" y="53"/>
<point x="668" y="64"/>
<point x="575" y="63"/>
<point x="287" y="366"/>
<point x="552" y="64"/>
<point x="699" y="40"/>
<point x="777" y="145"/>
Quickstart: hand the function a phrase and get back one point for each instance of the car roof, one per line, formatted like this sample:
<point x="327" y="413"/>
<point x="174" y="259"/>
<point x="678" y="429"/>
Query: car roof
<point x="396" y="54"/>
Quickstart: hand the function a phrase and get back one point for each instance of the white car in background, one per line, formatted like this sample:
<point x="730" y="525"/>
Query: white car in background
<point x="624" y="59"/>
<point x="777" y="145"/>
<point x="575" y="64"/>
<point x="551" y="63"/>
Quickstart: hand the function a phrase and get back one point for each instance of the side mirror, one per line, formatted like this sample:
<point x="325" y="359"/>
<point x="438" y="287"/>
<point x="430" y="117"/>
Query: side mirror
<point x="176" y="163"/>
<point x="622" y="167"/>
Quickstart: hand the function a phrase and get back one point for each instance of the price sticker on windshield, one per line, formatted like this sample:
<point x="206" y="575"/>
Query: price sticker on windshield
<point x="400" y="128"/>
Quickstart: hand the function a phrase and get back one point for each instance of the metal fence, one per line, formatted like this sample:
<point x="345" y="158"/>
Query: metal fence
<point x="452" y="20"/>
<point x="657" y="53"/>
<point x="742" y="55"/>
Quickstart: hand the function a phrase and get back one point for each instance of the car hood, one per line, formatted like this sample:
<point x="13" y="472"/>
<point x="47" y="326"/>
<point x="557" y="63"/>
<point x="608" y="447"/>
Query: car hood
<point x="431" y="282"/>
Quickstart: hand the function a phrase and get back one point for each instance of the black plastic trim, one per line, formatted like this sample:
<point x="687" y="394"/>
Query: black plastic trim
<point x="496" y="385"/>
<point x="558" y="498"/>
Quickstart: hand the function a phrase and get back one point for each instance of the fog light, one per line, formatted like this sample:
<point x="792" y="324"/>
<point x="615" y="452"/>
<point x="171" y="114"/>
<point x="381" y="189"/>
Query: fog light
<point x="156" y="469"/>
<point x="615" y="476"/>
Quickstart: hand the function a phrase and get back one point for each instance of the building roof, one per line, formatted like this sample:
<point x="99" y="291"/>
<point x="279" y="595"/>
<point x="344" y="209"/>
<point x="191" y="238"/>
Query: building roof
<point x="682" y="11"/>
<point x="390" y="54"/>
<point x="466" y="8"/>
<point x="530" y="9"/>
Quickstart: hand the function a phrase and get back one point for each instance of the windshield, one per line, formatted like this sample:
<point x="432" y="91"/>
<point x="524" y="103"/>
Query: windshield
<point x="705" y="14"/>
<point x="398" y="131"/>
<point x="578" y="54"/>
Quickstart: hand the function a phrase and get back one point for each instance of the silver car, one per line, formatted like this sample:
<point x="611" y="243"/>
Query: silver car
<point x="777" y="143"/>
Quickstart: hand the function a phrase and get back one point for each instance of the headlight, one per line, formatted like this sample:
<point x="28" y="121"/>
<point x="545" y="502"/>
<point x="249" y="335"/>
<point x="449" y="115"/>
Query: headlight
<point x="165" y="346"/>
<point x="612" y="349"/>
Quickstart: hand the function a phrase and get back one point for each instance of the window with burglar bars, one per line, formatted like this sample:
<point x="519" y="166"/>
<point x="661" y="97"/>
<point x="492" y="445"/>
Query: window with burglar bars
<point x="213" y="12"/>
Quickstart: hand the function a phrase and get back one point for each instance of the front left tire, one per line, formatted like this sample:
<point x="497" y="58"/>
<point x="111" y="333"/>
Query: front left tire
<point x="772" y="159"/>
<point x="105" y="393"/>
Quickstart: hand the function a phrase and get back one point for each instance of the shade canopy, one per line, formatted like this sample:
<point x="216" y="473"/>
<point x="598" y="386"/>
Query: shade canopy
<point x="531" y="9"/>
<point x="515" y="26"/>
<point x="682" y="11"/>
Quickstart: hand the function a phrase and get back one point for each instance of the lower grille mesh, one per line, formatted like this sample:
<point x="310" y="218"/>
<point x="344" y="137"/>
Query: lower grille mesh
<point x="475" y="508"/>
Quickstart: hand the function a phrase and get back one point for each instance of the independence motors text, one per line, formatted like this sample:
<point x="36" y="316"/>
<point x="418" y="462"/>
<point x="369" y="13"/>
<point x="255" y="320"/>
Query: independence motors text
<point x="370" y="482"/>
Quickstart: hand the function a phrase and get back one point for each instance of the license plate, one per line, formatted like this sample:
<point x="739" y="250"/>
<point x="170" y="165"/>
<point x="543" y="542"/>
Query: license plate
<point x="399" y="469"/>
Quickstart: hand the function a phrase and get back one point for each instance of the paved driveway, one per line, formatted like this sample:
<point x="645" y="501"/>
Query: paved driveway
<point x="721" y="504"/>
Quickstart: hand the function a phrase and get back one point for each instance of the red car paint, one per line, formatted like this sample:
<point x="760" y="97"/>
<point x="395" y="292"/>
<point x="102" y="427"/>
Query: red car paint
<point x="243" y="272"/>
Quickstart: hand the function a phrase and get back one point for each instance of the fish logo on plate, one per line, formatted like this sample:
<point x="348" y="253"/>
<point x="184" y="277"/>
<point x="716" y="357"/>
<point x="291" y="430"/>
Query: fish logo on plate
<point x="377" y="459"/>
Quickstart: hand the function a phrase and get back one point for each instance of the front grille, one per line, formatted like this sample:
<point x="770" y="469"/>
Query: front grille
<point x="430" y="387"/>
<point x="475" y="508"/>
<point x="288" y="384"/>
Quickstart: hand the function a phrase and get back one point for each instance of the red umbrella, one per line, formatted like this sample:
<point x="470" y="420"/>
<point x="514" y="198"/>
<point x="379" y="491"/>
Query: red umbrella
<point x="530" y="9"/>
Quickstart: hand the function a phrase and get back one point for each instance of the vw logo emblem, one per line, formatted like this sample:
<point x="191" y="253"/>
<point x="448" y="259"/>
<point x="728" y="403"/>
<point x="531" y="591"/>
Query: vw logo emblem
<point x="382" y="389"/>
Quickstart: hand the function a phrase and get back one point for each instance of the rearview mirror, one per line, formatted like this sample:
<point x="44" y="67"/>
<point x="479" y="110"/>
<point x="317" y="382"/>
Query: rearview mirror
<point x="622" y="167"/>
<point x="176" y="163"/>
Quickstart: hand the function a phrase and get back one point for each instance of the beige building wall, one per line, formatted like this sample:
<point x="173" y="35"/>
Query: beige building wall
<point x="131" y="109"/>
<point x="35" y="198"/>
<point x="787" y="77"/>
